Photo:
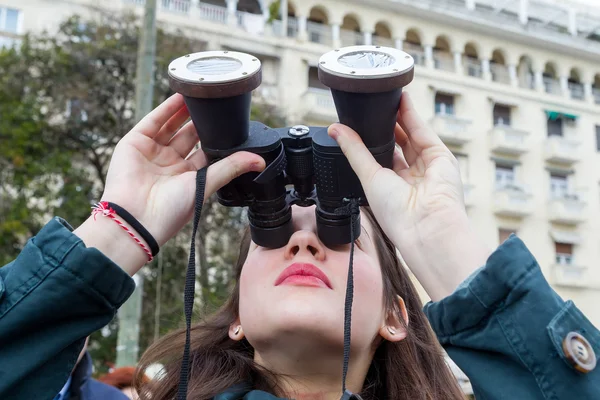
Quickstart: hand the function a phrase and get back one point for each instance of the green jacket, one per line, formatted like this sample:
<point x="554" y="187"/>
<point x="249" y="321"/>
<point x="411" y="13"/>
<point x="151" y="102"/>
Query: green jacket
<point x="504" y="326"/>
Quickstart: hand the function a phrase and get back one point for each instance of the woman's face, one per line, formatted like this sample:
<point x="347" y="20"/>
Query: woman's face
<point x="299" y="290"/>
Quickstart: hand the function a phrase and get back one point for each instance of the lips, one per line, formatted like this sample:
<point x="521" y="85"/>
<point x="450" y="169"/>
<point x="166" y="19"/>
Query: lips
<point x="303" y="274"/>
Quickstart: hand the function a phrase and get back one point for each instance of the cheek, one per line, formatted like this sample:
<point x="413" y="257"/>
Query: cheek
<point x="367" y="307"/>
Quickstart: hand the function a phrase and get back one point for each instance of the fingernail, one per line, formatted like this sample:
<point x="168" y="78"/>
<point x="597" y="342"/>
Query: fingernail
<point x="333" y="132"/>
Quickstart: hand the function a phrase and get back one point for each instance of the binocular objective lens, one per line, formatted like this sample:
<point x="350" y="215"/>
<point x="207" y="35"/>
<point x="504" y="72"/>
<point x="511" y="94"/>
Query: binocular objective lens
<point x="214" y="65"/>
<point x="366" y="59"/>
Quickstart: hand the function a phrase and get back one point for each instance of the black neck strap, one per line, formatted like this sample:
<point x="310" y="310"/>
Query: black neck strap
<point x="190" y="283"/>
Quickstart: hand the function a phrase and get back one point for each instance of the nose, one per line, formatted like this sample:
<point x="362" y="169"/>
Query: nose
<point x="307" y="242"/>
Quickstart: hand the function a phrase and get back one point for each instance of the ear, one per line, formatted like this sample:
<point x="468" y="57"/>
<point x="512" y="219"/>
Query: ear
<point x="394" y="329"/>
<point x="235" y="330"/>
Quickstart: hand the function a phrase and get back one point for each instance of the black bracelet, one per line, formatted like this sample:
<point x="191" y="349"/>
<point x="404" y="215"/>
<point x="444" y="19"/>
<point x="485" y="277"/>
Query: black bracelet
<point x="135" y="224"/>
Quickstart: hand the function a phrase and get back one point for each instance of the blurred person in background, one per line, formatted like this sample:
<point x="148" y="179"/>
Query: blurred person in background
<point x="122" y="379"/>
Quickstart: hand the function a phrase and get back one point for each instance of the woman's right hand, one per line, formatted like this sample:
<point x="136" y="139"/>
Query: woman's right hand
<point x="153" y="176"/>
<point x="419" y="203"/>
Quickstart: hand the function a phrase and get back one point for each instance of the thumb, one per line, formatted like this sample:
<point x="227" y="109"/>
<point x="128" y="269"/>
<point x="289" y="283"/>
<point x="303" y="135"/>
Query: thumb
<point x="360" y="158"/>
<point x="224" y="171"/>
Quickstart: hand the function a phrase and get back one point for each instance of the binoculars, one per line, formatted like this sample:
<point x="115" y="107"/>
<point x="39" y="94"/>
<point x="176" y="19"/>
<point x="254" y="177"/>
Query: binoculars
<point x="304" y="166"/>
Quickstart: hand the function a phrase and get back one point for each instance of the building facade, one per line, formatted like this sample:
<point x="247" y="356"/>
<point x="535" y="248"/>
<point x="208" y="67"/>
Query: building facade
<point x="512" y="87"/>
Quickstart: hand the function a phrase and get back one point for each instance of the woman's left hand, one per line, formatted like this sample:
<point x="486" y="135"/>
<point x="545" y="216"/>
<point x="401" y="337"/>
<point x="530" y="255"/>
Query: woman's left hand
<point x="419" y="203"/>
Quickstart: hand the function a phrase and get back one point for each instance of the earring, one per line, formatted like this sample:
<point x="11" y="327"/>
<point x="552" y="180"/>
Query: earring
<point x="391" y="330"/>
<point x="237" y="330"/>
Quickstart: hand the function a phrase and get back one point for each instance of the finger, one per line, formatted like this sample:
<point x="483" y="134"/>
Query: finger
<point x="151" y="124"/>
<point x="402" y="139"/>
<point x="224" y="171"/>
<point x="184" y="141"/>
<point x="359" y="157"/>
<point x="198" y="159"/>
<point x="399" y="162"/>
<point x="421" y="137"/>
<point x="170" y="128"/>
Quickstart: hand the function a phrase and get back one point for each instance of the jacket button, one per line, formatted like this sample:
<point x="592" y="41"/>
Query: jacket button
<point x="579" y="352"/>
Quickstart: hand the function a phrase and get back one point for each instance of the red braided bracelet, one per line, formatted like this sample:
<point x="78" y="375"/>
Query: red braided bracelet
<point x="105" y="210"/>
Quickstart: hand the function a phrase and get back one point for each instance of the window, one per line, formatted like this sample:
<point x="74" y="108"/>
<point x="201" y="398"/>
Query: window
<point x="501" y="115"/>
<point x="504" y="234"/>
<point x="505" y="176"/>
<point x="444" y="104"/>
<point x="597" y="137"/>
<point x="313" y="78"/>
<point x="555" y="127"/>
<point x="564" y="253"/>
<point x="9" y="20"/>
<point x="559" y="185"/>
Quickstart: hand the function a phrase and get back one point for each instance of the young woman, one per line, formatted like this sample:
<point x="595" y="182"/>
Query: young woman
<point x="281" y="335"/>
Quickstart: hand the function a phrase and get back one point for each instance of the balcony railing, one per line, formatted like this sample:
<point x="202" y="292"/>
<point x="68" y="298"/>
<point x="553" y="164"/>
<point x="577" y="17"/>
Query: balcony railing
<point x="512" y="200"/>
<point x="319" y="33"/>
<point x="320" y="105"/>
<point x="212" y="13"/>
<point x="562" y="150"/>
<point x="576" y="90"/>
<point x="8" y="42"/>
<point x="472" y="67"/>
<point x="351" y="38"/>
<point x="417" y="52"/>
<point x="176" y="6"/>
<point x="527" y="81"/>
<point x="292" y="27"/>
<point x="383" y="41"/>
<point x="551" y="85"/>
<point x="451" y="129"/>
<point x="570" y="275"/>
<point x="567" y="209"/>
<point x="508" y="140"/>
<point x="500" y="73"/>
<point x="596" y="94"/>
<point x="443" y="61"/>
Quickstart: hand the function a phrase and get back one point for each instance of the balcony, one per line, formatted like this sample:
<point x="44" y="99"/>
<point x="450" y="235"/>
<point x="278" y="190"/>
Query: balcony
<point x="351" y="38"/>
<point x="512" y="201"/>
<point x="500" y="73"/>
<point x="576" y="91"/>
<point x="569" y="275"/>
<point x="562" y="150"/>
<point x="443" y="61"/>
<point x="596" y="94"/>
<point x="319" y="105"/>
<point x="567" y="209"/>
<point x="416" y="51"/>
<point x="319" y="33"/>
<point x="451" y="129"/>
<point x="508" y="140"/>
<point x="551" y="85"/>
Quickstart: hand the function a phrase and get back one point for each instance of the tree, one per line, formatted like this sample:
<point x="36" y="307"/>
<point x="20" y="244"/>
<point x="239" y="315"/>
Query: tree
<point x="65" y="101"/>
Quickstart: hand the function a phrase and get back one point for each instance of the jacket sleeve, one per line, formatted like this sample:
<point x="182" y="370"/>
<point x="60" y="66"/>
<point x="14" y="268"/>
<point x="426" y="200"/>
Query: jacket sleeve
<point x="52" y="296"/>
<point x="505" y="326"/>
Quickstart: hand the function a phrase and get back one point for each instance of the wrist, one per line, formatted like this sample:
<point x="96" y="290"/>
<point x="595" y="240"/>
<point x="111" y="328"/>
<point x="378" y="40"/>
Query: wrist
<point x="442" y="258"/>
<point x="109" y="238"/>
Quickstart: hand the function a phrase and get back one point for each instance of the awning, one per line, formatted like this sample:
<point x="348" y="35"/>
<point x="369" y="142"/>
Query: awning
<point x="569" y="237"/>
<point x="509" y="162"/>
<point x="503" y="101"/>
<point x="445" y="89"/>
<point x="554" y="115"/>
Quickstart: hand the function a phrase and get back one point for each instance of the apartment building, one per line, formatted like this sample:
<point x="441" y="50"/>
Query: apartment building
<point x="512" y="87"/>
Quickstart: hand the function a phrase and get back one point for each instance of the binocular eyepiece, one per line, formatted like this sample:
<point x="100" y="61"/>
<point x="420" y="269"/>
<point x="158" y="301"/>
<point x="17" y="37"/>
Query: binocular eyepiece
<point x="366" y="84"/>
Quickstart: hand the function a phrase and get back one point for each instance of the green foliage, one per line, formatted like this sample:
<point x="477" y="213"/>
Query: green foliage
<point x="65" y="101"/>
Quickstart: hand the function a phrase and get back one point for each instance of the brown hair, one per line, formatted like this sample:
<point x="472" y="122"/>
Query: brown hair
<point x="413" y="368"/>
